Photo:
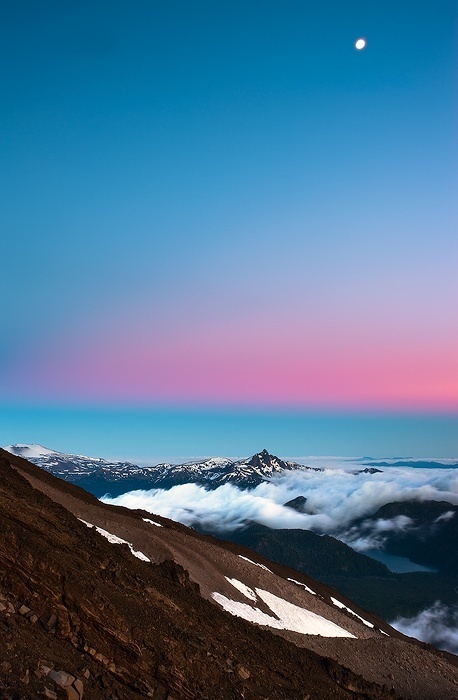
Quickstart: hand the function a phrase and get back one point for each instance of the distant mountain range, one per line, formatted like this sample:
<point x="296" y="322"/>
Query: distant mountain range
<point x="100" y="476"/>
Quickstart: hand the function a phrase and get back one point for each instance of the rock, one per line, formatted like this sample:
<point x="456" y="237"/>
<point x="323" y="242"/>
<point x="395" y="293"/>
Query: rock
<point x="50" y="694"/>
<point x="2" y="607"/>
<point x="62" y="678"/>
<point x="23" y="610"/>
<point x="44" y="670"/>
<point x="78" y="685"/>
<point x="103" y="659"/>
<point x="72" y="693"/>
<point x="33" y="618"/>
<point x="63" y="622"/>
<point x="11" y="608"/>
<point x="52" y="619"/>
<point x="160" y="693"/>
<point x="5" y="666"/>
<point x="243" y="673"/>
<point x="298" y="503"/>
<point x="25" y="678"/>
<point x="86" y="673"/>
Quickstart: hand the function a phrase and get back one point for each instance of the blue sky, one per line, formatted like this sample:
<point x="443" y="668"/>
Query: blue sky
<point x="174" y="434"/>
<point x="225" y="204"/>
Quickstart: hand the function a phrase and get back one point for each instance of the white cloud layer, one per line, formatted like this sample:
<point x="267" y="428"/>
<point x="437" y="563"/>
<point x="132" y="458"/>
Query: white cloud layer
<point x="438" y="625"/>
<point x="334" y="497"/>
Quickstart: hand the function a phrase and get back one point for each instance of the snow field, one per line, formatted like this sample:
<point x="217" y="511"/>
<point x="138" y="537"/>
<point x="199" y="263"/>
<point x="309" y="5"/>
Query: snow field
<point x="288" y="616"/>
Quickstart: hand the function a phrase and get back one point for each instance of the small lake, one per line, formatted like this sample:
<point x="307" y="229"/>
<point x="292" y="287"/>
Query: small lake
<point x="398" y="565"/>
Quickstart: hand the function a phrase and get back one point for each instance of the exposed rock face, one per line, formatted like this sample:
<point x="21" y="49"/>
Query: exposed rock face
<point x="297" y="503"/>
<point x="83" y="617"/>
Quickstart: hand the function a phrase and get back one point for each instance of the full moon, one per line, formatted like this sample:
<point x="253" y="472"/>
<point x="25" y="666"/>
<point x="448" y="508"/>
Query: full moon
<point x="360" y="44"/>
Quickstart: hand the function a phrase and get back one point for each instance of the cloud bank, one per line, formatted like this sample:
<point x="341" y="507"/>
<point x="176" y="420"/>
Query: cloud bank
<point x="437" y="625"/>
<point x="334" y="498"/>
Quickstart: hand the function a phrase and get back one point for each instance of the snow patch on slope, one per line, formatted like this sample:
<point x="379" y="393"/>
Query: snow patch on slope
<point x="352" y="612"/>
<point x="261" y="566"/>
<point x="247" y="592"/>
<point x="114" y="539"/>
<point x="146" y="520"/>
<point x="288" y="616"/>
<point x="299" y="583"/>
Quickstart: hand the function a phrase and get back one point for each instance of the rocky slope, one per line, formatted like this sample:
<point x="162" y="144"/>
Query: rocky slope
<point x="140" y="614"/>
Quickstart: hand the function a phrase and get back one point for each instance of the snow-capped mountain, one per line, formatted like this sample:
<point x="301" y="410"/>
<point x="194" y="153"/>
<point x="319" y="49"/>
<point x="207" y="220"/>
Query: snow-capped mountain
<point x="101" y="476"/>
<point x="220" y="470"/>
<point x="70" y="467"/>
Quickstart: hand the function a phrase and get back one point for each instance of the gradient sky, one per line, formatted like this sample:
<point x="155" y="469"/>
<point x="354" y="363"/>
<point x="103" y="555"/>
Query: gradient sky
<point x="225" y="204"/>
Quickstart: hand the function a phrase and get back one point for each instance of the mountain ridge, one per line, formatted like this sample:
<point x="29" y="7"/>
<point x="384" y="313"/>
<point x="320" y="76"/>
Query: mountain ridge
<point x="104" y="477"/>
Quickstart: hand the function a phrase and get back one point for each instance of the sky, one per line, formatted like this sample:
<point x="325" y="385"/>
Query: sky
<point x="226" y="208"/>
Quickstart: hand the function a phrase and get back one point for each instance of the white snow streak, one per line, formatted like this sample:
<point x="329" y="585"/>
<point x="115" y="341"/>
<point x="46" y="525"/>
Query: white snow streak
<point x="261" y="566"/>
<point x="114" y="539"/>
<point x="344" y="607"/>
<point x="146" y="520"/>
<point x="299" y="583"/>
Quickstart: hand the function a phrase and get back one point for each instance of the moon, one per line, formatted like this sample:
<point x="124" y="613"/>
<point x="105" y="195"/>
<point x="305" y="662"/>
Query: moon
<point x="360" y="44"/>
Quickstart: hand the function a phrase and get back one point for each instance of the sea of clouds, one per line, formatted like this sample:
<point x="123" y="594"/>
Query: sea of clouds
<point x="335" y="497"/>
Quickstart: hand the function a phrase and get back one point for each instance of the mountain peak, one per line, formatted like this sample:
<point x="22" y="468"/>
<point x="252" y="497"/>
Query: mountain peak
<point x="267" y="462"/>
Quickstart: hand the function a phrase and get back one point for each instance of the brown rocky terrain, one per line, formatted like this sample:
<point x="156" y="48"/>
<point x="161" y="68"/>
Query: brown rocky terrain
<point x="83" y="617"/>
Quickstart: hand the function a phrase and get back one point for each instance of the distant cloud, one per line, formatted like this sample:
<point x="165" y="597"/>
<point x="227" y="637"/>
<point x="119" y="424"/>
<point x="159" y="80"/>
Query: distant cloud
<point x="445" y="516"/>
<point x="438" y="625"/>
<point x="334" y="498"/>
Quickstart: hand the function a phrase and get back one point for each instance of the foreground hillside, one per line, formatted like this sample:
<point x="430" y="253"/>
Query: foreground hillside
<point x="80" y="614"/>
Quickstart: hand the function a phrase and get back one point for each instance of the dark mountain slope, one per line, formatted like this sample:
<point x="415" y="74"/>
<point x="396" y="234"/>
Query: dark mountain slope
<point x="319" y="556"/>
<point x="126" y="628"/>
<point x="140" y="630"/>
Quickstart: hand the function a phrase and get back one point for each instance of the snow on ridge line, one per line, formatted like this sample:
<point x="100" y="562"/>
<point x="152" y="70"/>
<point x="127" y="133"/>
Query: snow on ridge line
<point x="147" y="520"/>
<point x="114" y="539"/>
<point x="344" y="607"/>
<point x="21" y="449"/>
<point x="261" y="566"/>
<point x="288" y="616"/>
<point x="299" y="583"/>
